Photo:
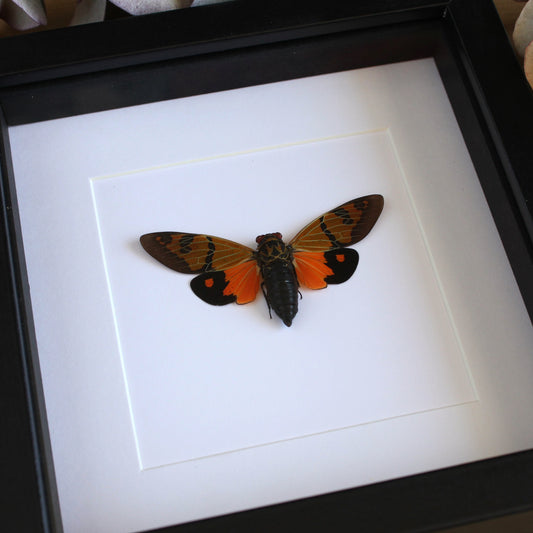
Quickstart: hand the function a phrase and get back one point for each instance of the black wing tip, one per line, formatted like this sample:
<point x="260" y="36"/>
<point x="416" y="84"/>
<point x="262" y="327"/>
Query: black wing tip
<point x="376" y="199"/>
<point x="147" y="241"/>
<point x="380" y="201"/>
<point x="156" y="239"/>
<point x="344" y="268"/>
<point x="148" y="238"/>
<point x="210" y="286"/>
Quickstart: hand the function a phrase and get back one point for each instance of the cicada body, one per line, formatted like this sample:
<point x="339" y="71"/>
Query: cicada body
<point x="280" y="283"/>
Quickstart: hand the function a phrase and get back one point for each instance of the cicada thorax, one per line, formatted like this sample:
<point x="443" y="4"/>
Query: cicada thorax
<point x="280" y="284"/>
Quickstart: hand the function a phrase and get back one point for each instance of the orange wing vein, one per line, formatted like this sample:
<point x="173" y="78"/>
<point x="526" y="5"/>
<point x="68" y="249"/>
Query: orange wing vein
<point x="343" y="226"/>
<point x="190" y="252"/>
<point x="243" y="282"/>
<point x="311" y="269"/>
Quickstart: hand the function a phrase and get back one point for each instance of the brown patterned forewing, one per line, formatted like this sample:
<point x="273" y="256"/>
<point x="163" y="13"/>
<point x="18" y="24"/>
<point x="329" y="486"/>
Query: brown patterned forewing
<point x="190" y="252"/>
<point x="343" y="226"/>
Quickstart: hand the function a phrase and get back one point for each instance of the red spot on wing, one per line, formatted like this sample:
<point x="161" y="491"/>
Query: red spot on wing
<point x="209" y="282"/>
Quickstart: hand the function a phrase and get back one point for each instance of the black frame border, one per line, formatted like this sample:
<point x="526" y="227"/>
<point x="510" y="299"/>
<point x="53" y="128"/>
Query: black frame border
<point x="106" y="65"/>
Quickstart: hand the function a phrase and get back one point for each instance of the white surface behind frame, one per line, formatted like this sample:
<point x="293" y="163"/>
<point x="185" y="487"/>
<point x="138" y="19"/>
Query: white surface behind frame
<point x="451" y="385"/>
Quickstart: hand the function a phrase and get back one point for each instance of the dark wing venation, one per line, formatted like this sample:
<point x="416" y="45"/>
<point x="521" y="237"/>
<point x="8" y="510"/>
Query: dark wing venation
<point x="191" y="252"/>
<point x="343" y="226"/>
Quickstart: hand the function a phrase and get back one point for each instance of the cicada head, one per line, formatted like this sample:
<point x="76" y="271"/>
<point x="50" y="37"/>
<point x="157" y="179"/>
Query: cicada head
<point x="262" y="239"/>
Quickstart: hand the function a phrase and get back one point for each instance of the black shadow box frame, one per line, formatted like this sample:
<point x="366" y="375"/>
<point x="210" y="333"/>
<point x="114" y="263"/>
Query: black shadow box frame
<point x="213" y="48"/>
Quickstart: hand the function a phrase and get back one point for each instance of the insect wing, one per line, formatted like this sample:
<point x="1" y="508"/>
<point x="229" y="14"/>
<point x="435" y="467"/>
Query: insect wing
<point x="343" y="226"/>
<point x="190" y="253"/>
<point x="236" y="284"/>
<point x="229" y="270"/>
<point x="316" y="270"/>
<point x="320" y="256"/>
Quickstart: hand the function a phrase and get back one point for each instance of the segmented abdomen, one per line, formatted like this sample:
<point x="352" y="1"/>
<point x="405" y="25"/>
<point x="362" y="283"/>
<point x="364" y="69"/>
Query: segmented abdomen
<point x="281" y="287"/>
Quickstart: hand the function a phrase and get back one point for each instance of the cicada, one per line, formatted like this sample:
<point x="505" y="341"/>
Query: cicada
<point x="231" y="272"/>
